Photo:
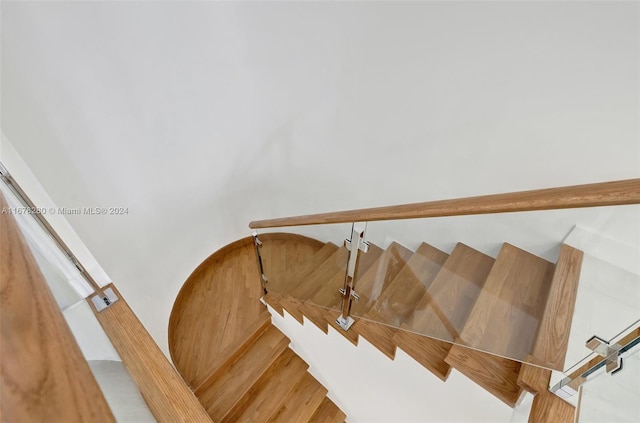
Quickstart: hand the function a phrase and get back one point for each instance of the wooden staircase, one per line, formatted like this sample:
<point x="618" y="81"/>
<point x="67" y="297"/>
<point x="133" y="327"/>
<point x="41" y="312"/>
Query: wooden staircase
<point x="241" y="367"/>
<point x="263" y="380"/>
<point x="516" y="305"/>
<point x="222" y="342"/>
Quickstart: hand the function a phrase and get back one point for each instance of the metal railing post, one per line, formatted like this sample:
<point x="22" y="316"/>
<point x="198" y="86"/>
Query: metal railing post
<point x="257" y="244"/>
<point x="354" y="245"/>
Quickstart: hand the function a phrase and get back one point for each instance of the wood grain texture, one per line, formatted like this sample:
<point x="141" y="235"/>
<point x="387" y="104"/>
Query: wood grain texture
<point x="293" y="307"/>
<point x="165" y="392"/>
<point x="237" y="303"/>
<point x="313" y="292"/>
<point x="273" y="300"/>
<point x="316" y="314"/>
<point x="230" y="383"/>
<point x="284" y="253"/>
<point x="43" y="374"/>
<point x="327" y="295"/>
<point x="329" y="274"/>
<point x="497" y="375"/>
<point x="377" y="278"/>
<point x="350" y="335"/>
<point x="397" y="302"/>
<point x="506" y="316"/>
<point x="302" y="402"/>
<point x="431" y="353"/>
<point x="267" y="395"/>
<point x="300" y="277"/>
<point x="327" y="412"/>
<point x="249" y="372"/>
<point x="287" y="282"/>
<point x="379" y="335"/>
<point x="226" y="356"/>
<point x="534" y="379"/>
<point x="576" y="196"/>
<point x="443" y="310"/>
<point x="369" y="287"/>
<point x="549" y="408"/>
<point x="552" y="340"/>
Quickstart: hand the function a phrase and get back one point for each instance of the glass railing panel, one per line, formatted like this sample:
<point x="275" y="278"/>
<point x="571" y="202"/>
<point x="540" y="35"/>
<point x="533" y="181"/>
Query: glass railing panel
<point x="65" y="281"/>
<point x="501" y="293"/>
<point x="606" y="397"/>
<point x="498" y="292"/>
<point x="607" y="305"/>
<point x="305" y="272"/>
<point x="529" y="286"/>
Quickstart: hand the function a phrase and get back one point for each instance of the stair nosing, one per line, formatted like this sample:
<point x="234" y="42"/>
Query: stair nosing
<point x="242" y="347"/>
<point x="233" y="409"/>
<point x="282" y="345"/>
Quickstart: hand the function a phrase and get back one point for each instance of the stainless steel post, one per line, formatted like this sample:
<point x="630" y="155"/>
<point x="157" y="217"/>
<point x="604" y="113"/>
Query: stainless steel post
<point x="257" y="244"/>
<point x="354" y="245"/>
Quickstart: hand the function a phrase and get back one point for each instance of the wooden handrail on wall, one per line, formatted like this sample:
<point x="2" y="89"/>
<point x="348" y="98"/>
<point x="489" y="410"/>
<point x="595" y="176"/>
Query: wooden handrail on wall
<point x="44" y="376"/>
<point x="590" y="195"/>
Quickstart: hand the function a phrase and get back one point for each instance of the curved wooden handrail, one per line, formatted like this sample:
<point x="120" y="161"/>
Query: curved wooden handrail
<point x="590" y="195"/>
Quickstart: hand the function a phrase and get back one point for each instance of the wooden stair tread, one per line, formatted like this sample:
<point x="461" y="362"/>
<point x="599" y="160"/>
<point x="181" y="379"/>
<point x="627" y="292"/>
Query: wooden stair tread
<point x="329" y="269"/>
<point x="260" y="326"/>
<point x="229" y="383"/>
<point x="301" y="403"/>
<point x="267" y="395"/>
<point x="316" y="314"/>
<point x="298" y="276"/>
<point x="327" y="295"/>
<point x="465" y="298"/>
<point x="327" y="412"/>
<point x="553" y="332"/>
<point x="548" y="407"/>
<point x="372" y="283"/>
<point x="443" y="310"/>
<point x="375" y="280"/>
<point x="497" y="375"/>
<point x="295" y="285"/>
<point x="398" y="301"/>
<point x="273" y="300"/>
<point x="379" y="335"/>
<point x="352" y="335"/>
<point x="283" y="254"/>
<point x="507" y="313"/>
<point x="292" y="306"/>
<point x="534" y="379"/>
<point x="431" y="353"/>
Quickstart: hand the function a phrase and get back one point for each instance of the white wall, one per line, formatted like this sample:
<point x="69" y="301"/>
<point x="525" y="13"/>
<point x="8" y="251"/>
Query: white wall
<point x="202" y="116"/>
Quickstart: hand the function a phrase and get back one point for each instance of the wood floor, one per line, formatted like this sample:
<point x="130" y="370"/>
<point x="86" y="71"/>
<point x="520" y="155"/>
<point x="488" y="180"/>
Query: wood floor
<point x="222" y="342"/>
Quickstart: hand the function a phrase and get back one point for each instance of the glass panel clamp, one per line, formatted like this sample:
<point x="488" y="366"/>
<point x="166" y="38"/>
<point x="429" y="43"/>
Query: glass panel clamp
<point x="611" y="353"/>
<point x="106" y="301"/>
